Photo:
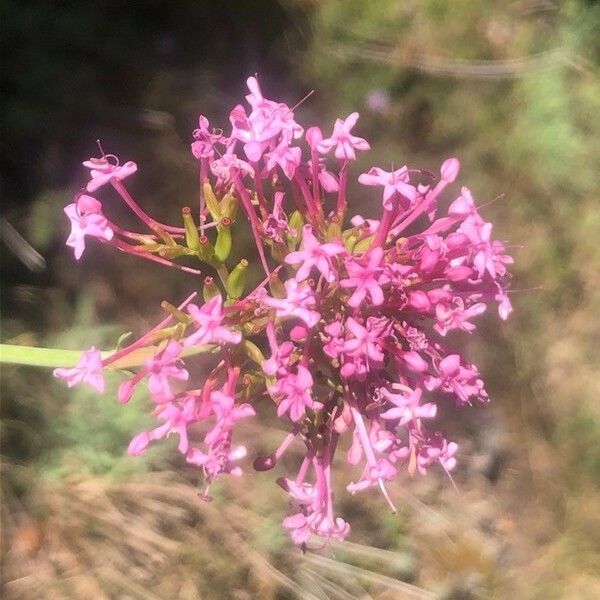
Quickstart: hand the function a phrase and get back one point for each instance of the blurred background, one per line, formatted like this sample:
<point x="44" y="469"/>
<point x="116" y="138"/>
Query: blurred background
<point x="511" y="87"/>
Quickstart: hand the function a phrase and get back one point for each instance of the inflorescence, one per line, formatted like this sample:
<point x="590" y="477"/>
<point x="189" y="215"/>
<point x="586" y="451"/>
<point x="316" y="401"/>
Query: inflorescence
<point x="351" y="315"/>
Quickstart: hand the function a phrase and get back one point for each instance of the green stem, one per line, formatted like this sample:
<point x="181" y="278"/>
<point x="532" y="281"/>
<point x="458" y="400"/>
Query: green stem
<point x="55" y="357"/>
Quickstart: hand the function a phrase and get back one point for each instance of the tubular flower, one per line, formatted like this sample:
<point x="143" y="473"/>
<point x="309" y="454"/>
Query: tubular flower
<point x="86" y="219"/>
<point x="343" y="141"/>
<point x="88" y="370"/>
<point x="346" y="335"/>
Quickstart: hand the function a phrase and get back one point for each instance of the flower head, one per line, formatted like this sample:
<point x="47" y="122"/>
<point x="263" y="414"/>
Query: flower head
<point x="345" y="336"/>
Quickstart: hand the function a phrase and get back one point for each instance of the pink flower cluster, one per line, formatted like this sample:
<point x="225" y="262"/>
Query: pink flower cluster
<point x="344" y="336"/>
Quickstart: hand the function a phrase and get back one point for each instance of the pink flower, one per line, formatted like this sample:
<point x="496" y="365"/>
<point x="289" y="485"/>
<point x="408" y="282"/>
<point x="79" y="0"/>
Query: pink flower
<point x="227" y="414"/>
<point x="292" y="391"/>
<point x="316" y="504"/>
<point x="408" y="408"/>
<point x="228" y="165"/>
<point x="352" y="335"/>
<point x="102" y="171"/>
<point x="208" y="319"/>
<point x="485" y="254"/>
<point x="276" y="223"/>
<point x="436" y="449"/>
<point x="299" y="303"/>
<point x="280" y="358"/>
<point x="463" y="206"/>
<point x="219" y="460"/>
<point x="88" y="370"/>
<point x="366" y="341"/>
<point x="86" y="218"/>
<point x="383" y="470"/>
<point x="267" y="120"/>
<point x="165" y="366"/>
<point x="205" y="139"/>
<point x="221" y="456"/>
<point x="286" y="157"/>
<point x="315" y="254"/>
<point x="364" y="278"/>
<point x="458" y="380"/>
<point x="394" y="183"/>
<point x="176" y="420"/>
<point x="343" y="141"/>
<point x="278" y="113"/>
<point x="334" y="345"/>
<point x="451" y="312"/>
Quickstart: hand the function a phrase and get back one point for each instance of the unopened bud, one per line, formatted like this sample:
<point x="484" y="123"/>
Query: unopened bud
<point x="449" y="170"/>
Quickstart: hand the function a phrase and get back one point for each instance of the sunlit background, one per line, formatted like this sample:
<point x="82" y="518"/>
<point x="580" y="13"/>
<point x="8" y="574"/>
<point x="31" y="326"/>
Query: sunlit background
<point x="510" y="87"/>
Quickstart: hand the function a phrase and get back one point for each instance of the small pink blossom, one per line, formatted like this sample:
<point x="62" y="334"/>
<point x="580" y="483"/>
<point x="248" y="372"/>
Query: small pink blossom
<point x="88" y="370"/>
<point x="276" y="224"/>
<point x="299" y="302"/>
<point x="436" y="449"/>
<point x="293" y="393"/>
<point x="208" y="319"/>
<point x="394" y="183"/>
<point x="176" y="420"/>
<point x="102" y="172"/>
<point x="452" y="312"/>
<point x="86" y="219"/>
<point x="228" y="166"/>
<point x="205" y="139"/>
<point x="408" y="408"/>
<point x="343" y="141"/>
<point x="286" y="157"/>
<point x="364" y="278"/>
<point x="461" y="381"/>
<point x="162" y="368"/>
<point x="315" y="254"/>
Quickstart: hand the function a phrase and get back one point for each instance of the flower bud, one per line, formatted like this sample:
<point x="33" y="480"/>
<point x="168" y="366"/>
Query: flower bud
<point x="314" y="136"/>
<point x="449" y="170"/>
<point x="125" y="391"/>
<point x="298" y="333"/>
<point x="138" y="444"/>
